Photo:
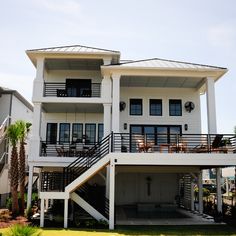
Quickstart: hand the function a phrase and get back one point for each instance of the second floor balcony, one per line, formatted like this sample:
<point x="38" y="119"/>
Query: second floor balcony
<point x="72" y="88"/>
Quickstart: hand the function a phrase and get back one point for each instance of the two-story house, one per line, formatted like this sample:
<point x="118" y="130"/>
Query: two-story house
<point x="110" y="134"/>
<point x="13" y="107"/>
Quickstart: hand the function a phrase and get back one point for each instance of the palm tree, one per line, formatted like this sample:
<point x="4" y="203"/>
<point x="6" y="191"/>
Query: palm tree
<point x="23" y="129"/>
<point x="13" y="133"/>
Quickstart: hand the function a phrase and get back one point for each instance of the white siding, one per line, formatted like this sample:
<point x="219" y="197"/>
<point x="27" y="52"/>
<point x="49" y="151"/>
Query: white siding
<point x="5" y="101"/>
<point x="193" y="119"/>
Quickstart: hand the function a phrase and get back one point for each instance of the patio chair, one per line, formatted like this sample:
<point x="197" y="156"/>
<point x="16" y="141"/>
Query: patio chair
<point x="60" y="151"/>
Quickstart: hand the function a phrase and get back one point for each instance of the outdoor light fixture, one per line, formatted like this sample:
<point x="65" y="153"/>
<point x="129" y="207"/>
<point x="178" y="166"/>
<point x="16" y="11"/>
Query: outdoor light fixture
<point x="186" y="127"/>
<point x="189" y="106"/>
<point x="122" y="106"/>
<point x="125" y="126"/>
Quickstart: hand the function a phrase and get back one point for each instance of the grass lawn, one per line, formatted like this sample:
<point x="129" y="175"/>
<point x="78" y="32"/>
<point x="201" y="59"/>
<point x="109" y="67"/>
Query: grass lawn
<point x="144" y="230"/>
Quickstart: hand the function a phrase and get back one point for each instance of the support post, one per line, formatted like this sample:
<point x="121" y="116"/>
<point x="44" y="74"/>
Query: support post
<point x="107" y="118"/>
<point x="30" y="183"/>
<point x="65" y="213"/>
<point x="42" y="213"/>
<point x="200" y="193"/>
<point x="116" y="103"/>
<point x="112" y="196"/>
<point x="218" y="190"/>
<point x="107" y="181"/>
<point x="192" y="196"/>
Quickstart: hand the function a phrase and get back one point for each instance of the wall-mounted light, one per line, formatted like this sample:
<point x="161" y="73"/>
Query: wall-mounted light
<point x="125" y="126"/>
<point x="186" y="127"/>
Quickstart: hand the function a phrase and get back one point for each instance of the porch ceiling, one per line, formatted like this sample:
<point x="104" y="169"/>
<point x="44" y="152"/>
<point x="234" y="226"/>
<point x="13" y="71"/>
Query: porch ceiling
<point x="73" y="64"/>
<point x="71" y="108"/>
<point x="163" y="82"/>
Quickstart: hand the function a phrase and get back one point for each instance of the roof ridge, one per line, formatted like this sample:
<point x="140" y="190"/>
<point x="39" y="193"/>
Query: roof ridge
<point x="168" y="60"/>
<point x="76" y="45"/>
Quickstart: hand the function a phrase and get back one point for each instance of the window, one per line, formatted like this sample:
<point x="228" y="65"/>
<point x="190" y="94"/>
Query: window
<point x="155" y="106"/>
<point x="100" y="132"/>
<point x="175" y="107"/>
<point x="90" y="133"/>
<point x="136" y="107"/>
<point x="77" y="133"/>
<point x="78" y="87"/>
<point x="51" y="137"/>
<point x="64" y="133"/>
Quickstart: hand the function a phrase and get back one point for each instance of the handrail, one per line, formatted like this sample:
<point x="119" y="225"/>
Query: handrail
<point x="86" y="160"/>
<point x="3" y="128"/>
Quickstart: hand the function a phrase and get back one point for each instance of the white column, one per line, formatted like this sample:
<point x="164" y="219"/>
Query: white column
<point x="42" y="213"/>
<point x="65" y="213"/>
<point x="200" y="193"/>
<point x="107" y="181"/>
<point x="38" y="85"/>
<point x="107" y="118"/>
<point x="112" y="196"/>
<point x="30" y="183"/>
<point x="192" y="196"/>
<point x="211" y="105"/>
<point x="218" y="190"/>
<point x="116" y="103"/>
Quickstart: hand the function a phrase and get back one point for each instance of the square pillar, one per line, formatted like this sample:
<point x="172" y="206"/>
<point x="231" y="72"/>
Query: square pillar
<point x="192" y="196"/>
<point x="30" y="183"/>
<point x="112" y="196"/>
<point x="65" y="213"/>
<point x="200" y="193"/>
<point x="218" y="190"/>
<point x="42" y="213"/>
<point x="107" y="119"/>
<point x="116" y="103"/>
<point x="211" y="105"/>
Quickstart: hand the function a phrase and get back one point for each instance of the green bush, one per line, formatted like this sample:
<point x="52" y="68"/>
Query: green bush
<point x="23" y="230"/>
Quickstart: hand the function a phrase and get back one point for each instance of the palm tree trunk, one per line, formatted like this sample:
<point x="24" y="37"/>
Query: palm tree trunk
<point x="22" y="177"/>
<point x="14" y="181"/>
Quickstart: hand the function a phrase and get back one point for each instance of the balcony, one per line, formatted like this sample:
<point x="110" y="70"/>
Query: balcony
<point x="63" y="90"/>
<point x="149" y="143"/>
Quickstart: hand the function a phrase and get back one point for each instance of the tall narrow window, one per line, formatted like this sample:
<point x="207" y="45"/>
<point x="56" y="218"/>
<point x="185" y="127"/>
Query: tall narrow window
<point x="155" y="107"/>
<point x="64" y="133"/>
<point x="175" y="107"/>
<point x="100" y="132"/>
<point x="136" y="107"/>
<point x="51" y="137"/>
<point x="77" y="133"/>
<point x="90" y="134"/>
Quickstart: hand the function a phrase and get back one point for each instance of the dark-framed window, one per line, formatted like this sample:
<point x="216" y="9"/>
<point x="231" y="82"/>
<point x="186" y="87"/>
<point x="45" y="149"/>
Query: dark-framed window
<point x="136" y="107"/>
<point x="100" y="132"/>
<point x="175" y="107"/>
<point x="51" y="136"/>
<point x="90" y="134"/>
<point x="155" y="107"/>
<point x="77" y="133"/>
<point x="64" y="133"/>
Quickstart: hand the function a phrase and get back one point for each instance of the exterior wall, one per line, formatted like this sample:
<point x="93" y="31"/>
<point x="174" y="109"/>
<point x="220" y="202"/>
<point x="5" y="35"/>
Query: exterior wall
<point x="193" y="119"/>
<point x="61" y="75"/>
<point x="131" y="188"/>
<point x="96" y="118"/>
<point x="5" y="101"/>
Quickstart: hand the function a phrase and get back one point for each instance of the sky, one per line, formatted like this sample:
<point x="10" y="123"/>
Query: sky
<point x="186" y="30"/>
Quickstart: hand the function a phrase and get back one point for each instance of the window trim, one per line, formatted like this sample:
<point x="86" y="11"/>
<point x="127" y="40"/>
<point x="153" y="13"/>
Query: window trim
<point x="95" y="136"/>
<point x="180" y="100"/>
<point x="60" y="124"/>
<point x="49" y="140"/>
<point x="130" y="105"/>
<point x="155" y="99"/>
<point x="72" y="131"/>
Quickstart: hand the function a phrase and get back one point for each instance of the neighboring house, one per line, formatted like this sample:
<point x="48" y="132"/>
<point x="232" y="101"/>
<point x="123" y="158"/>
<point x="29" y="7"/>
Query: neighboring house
<point x="13" y="107"/>
<point x="109" y="134"/>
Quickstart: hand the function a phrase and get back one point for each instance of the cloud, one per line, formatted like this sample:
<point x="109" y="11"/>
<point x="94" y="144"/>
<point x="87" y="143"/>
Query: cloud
<point x="23" y="84"/>
<point x="60" y="6"/>
<point x="223" y="36"/>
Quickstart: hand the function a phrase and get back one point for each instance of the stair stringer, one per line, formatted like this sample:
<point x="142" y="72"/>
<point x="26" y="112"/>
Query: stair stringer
<point x="93" y="170"/>
<point x="87" y="207"/>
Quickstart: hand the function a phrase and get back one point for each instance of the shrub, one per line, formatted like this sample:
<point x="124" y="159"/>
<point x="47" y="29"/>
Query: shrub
<point x="21" y="230"/>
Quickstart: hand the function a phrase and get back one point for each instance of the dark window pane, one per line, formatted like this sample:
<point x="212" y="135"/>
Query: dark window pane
<point x="51" y="137"/>
<point x="136" y="107"/>
<point x="175" y="107"/>
<point x="64" y="133"/>
<point x="77" y="133"/>
<point x="100" y="132"/>
<point x="155" y="107"/>
<point x="90" y="133"/>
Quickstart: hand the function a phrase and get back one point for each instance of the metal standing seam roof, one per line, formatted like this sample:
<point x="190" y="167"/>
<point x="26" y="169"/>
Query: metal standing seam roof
<point x="163" y="63"/>
<point x="74" y="49"/>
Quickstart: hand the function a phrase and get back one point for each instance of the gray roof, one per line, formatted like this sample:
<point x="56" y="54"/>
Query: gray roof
<point x="163" y="63"/>
<point x="74" y="49"/>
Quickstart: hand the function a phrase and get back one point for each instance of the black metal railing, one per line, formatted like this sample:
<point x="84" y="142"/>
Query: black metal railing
<point x="61" y="90"/>
<point x="100" y="202"/>
<point x="174" y="143"/>
<point x="87" y="160"/>
<point x="52" y="181"/>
